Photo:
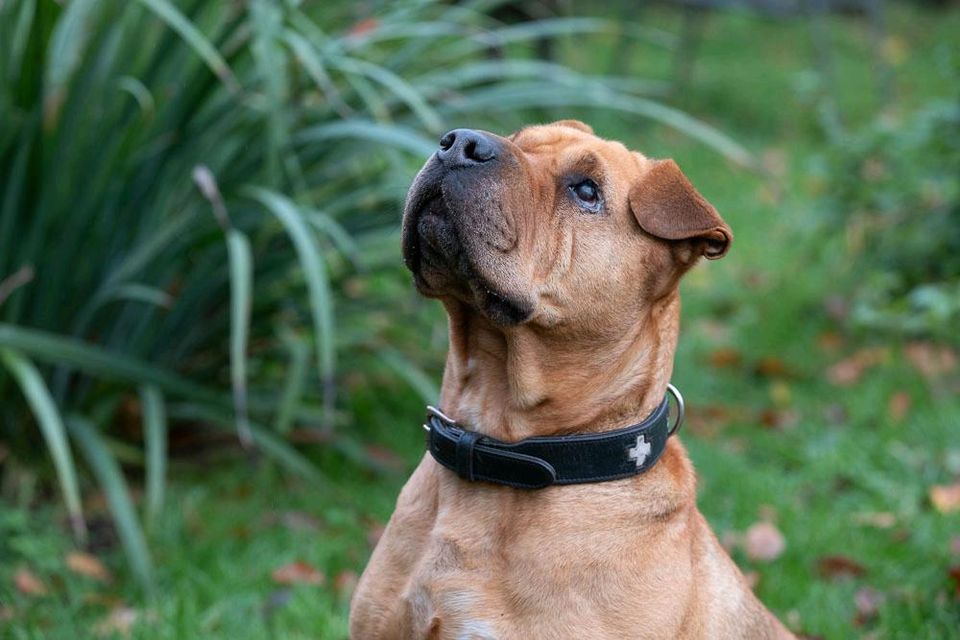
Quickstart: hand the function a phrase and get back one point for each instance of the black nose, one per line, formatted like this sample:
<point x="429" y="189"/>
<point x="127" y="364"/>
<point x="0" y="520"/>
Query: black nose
<point x="466" y="147"/>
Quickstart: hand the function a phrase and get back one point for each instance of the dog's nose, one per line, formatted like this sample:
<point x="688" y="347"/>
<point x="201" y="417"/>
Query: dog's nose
<point x="466" y="147"/>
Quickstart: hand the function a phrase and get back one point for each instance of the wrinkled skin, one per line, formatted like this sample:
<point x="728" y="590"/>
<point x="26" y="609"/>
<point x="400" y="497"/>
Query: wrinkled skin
<point x="564" y="315"/>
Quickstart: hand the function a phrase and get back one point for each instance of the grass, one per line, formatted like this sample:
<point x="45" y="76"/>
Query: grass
<point x="772" y="438"/>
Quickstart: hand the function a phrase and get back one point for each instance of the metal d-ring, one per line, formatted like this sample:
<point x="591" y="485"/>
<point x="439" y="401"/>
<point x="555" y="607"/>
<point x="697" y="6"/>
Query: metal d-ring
<point x="440" y="414"/>
<point x="678" y="399"/>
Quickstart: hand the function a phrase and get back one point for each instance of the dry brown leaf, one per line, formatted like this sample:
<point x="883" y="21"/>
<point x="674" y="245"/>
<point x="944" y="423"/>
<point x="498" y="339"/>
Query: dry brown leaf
<point x="867" y="601"/>
<point x="364" y="26"/>
<point x="899" y="405"/>
<point x="778" y="419"/>
<point x="764" y="542"/>
<point x="88" y="565"/>
<point x="374" y="533"/>
<point x="955" y="545"/>
<point x="298" y="573"/>
<point x="954" y="573"/>
<point x="345" y="583"/>
<point x="120" y="621"/>
<point x="945" y="498"/>
<point x="834" y="567"/>
<point x="878" y="519"/>
<point x="6" y="613"/>
<point x="848" y="371"/>
<point x="931" y="360"/>
<point x="770" y="367"/>
<point x="830" y="341"/>
<point x="724" y="357"/>
<point x="29" y="584"/>
<point x="386" y="457"/>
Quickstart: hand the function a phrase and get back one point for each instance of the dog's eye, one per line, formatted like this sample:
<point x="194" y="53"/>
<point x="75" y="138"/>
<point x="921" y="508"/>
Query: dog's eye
<point x="587" y="194"/>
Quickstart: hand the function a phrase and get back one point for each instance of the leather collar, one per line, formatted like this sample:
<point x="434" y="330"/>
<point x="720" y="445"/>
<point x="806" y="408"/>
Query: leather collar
<point x="539" y="462"/>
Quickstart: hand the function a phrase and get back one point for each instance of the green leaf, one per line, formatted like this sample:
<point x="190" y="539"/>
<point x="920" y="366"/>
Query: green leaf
<point x="295" y="381"/>
<point x="413" y="375"/>
<point x="114" y="486"/>
<point x="397" y="136"/>
<point x="315" y="274"/>
<point x="241" y="294"/>
<point x="167" y="12"/>
<point x="76" y="354"/>
<point x="51" y="426"/>
<point x="155" y="442"/>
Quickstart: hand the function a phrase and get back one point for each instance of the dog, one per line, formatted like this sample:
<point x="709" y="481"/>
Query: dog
<point x="557" y="256"/>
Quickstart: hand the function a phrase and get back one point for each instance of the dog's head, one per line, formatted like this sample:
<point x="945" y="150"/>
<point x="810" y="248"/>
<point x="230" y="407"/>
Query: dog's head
<point x="553" y="226"/>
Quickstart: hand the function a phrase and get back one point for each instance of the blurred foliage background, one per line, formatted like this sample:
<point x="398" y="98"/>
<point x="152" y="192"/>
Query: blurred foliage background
<point x="213" y="367"/>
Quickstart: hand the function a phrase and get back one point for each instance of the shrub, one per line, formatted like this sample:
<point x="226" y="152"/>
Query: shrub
<point x="894" y="190"/>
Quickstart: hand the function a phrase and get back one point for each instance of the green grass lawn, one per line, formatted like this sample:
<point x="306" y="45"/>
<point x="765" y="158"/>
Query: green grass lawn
<point x="843" y="472"/>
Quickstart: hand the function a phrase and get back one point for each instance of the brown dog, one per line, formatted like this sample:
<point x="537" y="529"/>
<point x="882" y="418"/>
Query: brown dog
<point x="557" y="256"/>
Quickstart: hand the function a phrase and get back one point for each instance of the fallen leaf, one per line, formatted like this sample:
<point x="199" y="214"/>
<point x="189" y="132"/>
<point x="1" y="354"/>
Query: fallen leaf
<point x="724" y="357"/>
<point x="375" y="533"/>
<point x="345" y="583"/>
<point x="778" y="419"/>
<point x="931" y="360"/>
<point x="6" y="613"/>
<point x="867" y="601"/>
<point x="29" y="584"/>
<point x="848" y="371"/>
<point x="88" y="565"/>
<point x="297" y="573"/>
<point x="764" y="542"/>
<point x="770" y="367"/>
<point x="385" y="457"/>
<point x="899" y="405"/>
<point x="945" y="497"/>
<point x="830" y="341"/>
<point x="954" y="573"/>
<point x="119" y="621"/>
<point x="294" y="520"/>
<point x="955" y="545"/>
<point x="835" y="567"/>
<point x="706" y="420"/>
<point x="877" y="519"/>
<point x="364" y="26"/>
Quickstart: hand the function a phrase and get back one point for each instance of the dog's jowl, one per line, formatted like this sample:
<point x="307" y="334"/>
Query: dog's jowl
<point x="554" y="499"/>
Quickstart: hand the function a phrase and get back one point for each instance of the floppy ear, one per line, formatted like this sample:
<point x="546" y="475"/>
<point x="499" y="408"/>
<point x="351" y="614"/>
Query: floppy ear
<point x="667" y="206"/>
<point x="573" y="124"/>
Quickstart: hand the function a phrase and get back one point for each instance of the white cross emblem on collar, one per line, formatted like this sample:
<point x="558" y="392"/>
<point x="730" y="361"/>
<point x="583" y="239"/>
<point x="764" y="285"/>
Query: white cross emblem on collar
<point x="641" y="451"/>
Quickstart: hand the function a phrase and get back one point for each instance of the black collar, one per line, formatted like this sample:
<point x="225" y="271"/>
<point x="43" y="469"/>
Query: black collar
<point x="538" y="462"/>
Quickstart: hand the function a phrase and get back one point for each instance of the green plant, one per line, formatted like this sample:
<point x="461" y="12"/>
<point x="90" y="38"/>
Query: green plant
<point x="187" y="191"/>
<point x="894" y="191"/>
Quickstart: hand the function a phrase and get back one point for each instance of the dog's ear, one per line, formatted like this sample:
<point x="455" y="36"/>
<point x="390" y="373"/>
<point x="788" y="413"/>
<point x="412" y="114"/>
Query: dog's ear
<point x="667" y="206"/>
<point x="573" y="124"/>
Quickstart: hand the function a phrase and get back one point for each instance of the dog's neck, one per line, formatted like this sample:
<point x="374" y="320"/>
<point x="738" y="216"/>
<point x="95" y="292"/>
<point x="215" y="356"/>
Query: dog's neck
<point x="525" y="381"/>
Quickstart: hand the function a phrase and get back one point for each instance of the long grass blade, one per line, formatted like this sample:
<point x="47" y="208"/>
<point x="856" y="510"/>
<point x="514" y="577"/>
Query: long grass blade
<point x="241" y="295"/>
<point x="318" y="286"/>
<point x="295" y="383"/>
<point x="397" y="136"/>
<point x="272" y="446"/>
<point x="114" y="486"/>
<point x="155" y="443"/>
<point x="51" y="426"/>
<point x="76" y="354"/>
<point x="167" y="12"/>
<point x="419" y="381"/>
